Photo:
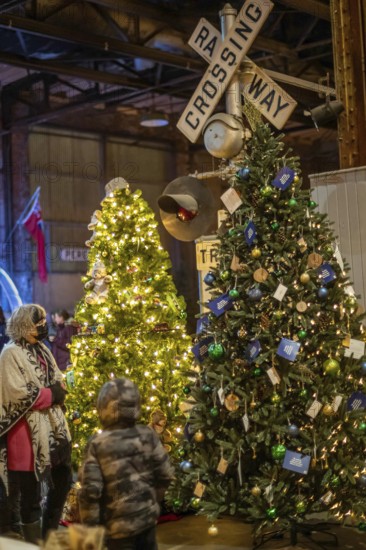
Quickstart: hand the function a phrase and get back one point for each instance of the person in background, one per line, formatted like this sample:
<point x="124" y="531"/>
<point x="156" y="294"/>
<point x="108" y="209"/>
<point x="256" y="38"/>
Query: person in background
<point x="65" y="330"/>
<point x="3" y="336"/>
<point x="35" y="442"/>
<point x="125" y="472"/>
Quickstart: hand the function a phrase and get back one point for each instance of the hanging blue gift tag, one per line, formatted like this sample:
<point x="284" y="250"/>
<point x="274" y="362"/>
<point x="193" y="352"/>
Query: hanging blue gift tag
<point x="202" y="324"/>
<point x="356" y="402"/>
<point x="252" y="351"/>
<point x="326" y="272"/>
<point x="288" y="349"/>
<point x="296" y="462"/>
<point x="200" y="350"/>
<point x="250" y="233"/>
<point x="220" y="304"/>
<point x="284" y="178"/>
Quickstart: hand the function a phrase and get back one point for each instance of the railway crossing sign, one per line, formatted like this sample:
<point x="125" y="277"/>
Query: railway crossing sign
<point x="225" y="57"/>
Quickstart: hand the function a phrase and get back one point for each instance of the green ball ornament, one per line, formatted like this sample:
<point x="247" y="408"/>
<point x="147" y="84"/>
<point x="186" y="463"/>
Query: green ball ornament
<point x="216" y="351"/>
<point x="207" y="389"/>
<point x="303" y="393"/>
<point x="292" y="203"/>
<point x="278" y="451"/>
<point x="224" y="275"/>
<point x="186" y="390"/>
<point x="257" y="372"/>
<point x="214" y="411"/>
<point x="362" y="427"/>
<point x="275" y="226"/>
<point x="266" y="191"/>
<point x="335" y="482"/>
<point x="276" y="399"/>
<point x="177" y="503"/>
<point x="195" y="503"/>
<point x="271" y="513"/>
<point x="312" y="204"/>
<point x="331" y="367"/>
<point x="232" y="232"/>
<point x="300" y="506"/>
<point x="234" y="293"/>
<point x="302" y="334"/>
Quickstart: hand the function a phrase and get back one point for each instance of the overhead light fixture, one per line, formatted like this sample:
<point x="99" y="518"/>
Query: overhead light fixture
<point x="154" y="120"/>
<point x="329" y="111"/>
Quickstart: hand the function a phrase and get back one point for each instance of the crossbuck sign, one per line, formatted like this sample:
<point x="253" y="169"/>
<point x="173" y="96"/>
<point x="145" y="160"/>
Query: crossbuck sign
<point x="225" y="57"/>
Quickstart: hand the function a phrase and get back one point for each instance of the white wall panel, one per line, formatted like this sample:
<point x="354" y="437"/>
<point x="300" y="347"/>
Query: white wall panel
<point x="342" y="195"/>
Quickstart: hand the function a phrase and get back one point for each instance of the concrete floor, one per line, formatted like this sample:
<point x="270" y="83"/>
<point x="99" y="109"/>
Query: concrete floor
<point x="190" y="533"/>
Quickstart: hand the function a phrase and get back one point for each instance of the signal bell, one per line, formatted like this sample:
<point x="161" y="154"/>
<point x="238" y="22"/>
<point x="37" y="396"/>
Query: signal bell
<point x="187" y="208"/>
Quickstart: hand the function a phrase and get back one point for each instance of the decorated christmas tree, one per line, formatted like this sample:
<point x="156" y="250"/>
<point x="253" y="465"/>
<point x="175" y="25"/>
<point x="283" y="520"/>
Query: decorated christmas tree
<point x="277" y="430"/>
<point x="132" y="323"/>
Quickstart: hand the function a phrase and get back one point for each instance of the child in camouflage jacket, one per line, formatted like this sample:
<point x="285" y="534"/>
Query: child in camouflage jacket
<point x="125" y="472"/>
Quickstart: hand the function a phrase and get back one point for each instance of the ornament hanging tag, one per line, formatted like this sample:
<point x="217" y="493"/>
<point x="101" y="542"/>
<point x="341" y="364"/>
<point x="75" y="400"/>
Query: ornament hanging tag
<point x="222" y="466"/>
<point x="235" y="263"/>
<point x="199" y="489"/>
<point x="231" y="200"/>
<point x="280" y="292"/>
<point x="274" y="376"/>
<point x="336" y="402"/>
<point x="260" y="275"/>
<point x="327" y="498"/>
<point x="245" y="420"/>
<point x="221" y="395"/>
<point x="356" y="348"/>
<point x="314" y="409"/>
<point x="314" y="260"/>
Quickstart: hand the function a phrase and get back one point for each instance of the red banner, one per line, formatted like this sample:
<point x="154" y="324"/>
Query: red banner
<point x="34" y="225"/>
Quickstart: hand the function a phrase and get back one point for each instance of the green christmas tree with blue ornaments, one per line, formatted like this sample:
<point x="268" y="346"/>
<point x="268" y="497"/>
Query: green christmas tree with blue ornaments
<point x="277" y="429"/>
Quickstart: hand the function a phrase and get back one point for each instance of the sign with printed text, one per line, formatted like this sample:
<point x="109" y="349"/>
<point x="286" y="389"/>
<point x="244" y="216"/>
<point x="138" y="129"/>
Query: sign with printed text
<point x="267" y="96"/>
<point x="206" y="254"/>
<point x="74" y="254"/>
<point x="256" y="85"/>
<point x="226" y="61"/>
<point x="296" y="462"/>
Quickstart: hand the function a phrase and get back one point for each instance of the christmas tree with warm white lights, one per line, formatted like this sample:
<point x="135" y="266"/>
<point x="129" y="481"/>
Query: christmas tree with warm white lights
<point x="132" y="323"/>
<point x="278" y="429"/>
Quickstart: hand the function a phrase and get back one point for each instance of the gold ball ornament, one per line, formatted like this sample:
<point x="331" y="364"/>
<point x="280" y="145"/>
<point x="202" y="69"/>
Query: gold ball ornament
<point x="304" y="278"/>
<point x="232" y="402"/>
<point x="199" y="436"/>
<point x="213" y="530"/>
<point x="256" y="491"/>
<point x="328" y="410"/>
<point x="256" y="253"/>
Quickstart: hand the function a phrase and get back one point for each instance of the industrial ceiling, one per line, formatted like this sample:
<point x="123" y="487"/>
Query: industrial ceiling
<point x="59" y="57"/>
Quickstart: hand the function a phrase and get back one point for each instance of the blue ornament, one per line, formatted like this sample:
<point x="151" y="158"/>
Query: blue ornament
<point x="323" y="293"/>
<point x="363" y="367"/>
<point x="293" y="430"/>
<point x="254" y="294"/>
<point x="186" y="466"/>
<point x="362" y="480"/>
<point x="209" y="278"/>
<point x="243" y="173"/>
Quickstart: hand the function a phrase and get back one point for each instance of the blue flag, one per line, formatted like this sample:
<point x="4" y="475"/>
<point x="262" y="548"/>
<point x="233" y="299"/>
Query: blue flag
<point x="200" y="350"/>
<point x="250" y="233"/>
<point x="296" y="462"/>
<point x="284" y="178"/>
<point x="326" y="272"/>
<point x="220" y="304"/>
<point x="252" y="351"/>
<point x="288" y="349"/>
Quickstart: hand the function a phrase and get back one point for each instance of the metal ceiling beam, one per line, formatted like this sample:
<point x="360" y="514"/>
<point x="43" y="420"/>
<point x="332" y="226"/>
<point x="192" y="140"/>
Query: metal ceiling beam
<point x="52" y="67"/>
<point x="96" y="42"/>
<point x="312" y="7"/>
<point x="178" y="20"/>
